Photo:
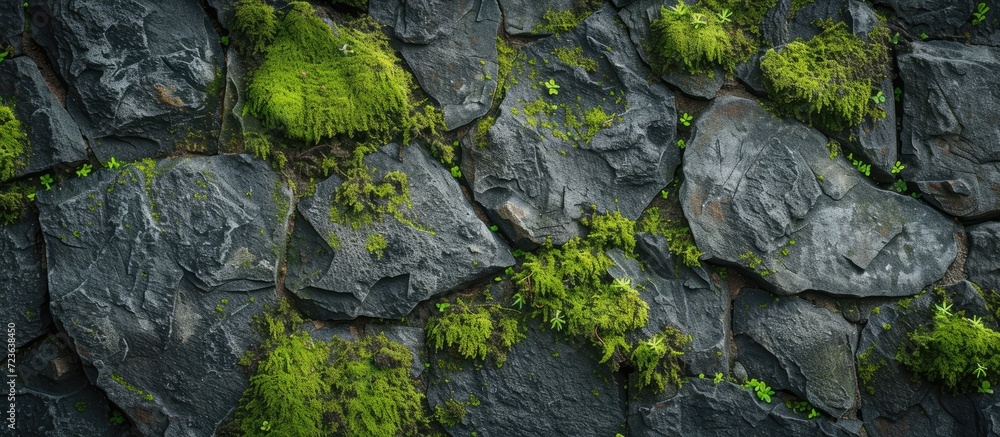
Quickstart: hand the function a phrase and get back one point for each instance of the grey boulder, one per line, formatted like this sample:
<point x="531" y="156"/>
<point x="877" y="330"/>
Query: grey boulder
<point x="535" y="172"/>
<point x="523" y="17"/>
<point x="762" y="193"/>
<point x="22" y="286"/>
<point x="950" y="131"/>
<point x="336" y="277"/>
<point x="983" y="262"/>
<point x="155" y="272"/>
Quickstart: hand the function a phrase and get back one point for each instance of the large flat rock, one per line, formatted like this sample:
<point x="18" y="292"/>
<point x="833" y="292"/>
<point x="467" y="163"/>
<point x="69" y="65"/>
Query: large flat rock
<point x="446" y="248"/>
<point x="753" y="184"/>
<point x="537" y="175"/>
<point x="137" y="72"/>
<point x="156" y="273"/>
<point x="950" y="125"/>
<point x="22" y="284"/>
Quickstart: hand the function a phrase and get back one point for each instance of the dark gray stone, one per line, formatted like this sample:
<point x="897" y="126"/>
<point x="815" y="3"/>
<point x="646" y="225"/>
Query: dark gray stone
<point x="156" y="276"/>
<point x="55" y="398"/>
<point x="682" y="297"/>
<point x="754" y="183"/>
<point x="892" y="399"/>
<point x="535" y="184"/>
<point x="950" y="128"/>
<point x="983" y="261"/>
<point x="522" y="17"/>
<point x="781" y="26"/>
<point x="452" y="248"/>
<point x="549" y="385"/>
<point x="702" y="408"/>
<point x="53" y="136"/>
<point x="811" y="346"/>
<point x="136" y="73"/>
<point x="22" y="286"/>
<point x="412" y="338"/>
<point x="952" y="19"/>
<point x="456" y="60"/>
<point x="751" y="75"/>
<point x="12" y="23"/>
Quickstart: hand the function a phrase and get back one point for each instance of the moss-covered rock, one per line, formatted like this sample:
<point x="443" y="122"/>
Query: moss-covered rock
<point x="12" y="143"/>
<point x="695" y="38"/>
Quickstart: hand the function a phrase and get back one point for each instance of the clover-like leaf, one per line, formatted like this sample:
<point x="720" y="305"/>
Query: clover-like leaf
<point x="557" y="320"/>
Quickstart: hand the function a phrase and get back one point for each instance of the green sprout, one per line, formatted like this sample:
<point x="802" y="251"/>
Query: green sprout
<point x="224" y="40"/>
<point x="518" y="300"/>
<point x="113" y="163"/>
<point x="84" y="171"/>
<point x="878" y="98"/>
<point x="895" y="38"/>
<point x="664" y="194"/>
<point x="944" y="309"/>
<point x="763" y="392"/>
<point x="46" y="180"/>
<point x="724" y="16"/>
<point x="897" y="93"/>
<point x="899" y="186"/>
<point x="442" y="306"/>
<point x="680" y="9"/>
<point x="897" y="167"/>
<point x="116" y="418"/>
<point x="686" y="119"/>
<point x="681" y="143"/>
<point x="980" y="14"/>
<point x="265" y="426"/>
<point x="977" y="322"/>
<point x="4" y="54"/>
<point x="494" y="228"/>
<point x="980" y="371"/>
<point x="553" y="88"/>
<point x="698" y="20"/>
<point x="923" y="36"/>
<point x="718" y="378"/>
<point x="557" y="320"/>
<point x="984" y="387"/>
<point x="456" y="172"/>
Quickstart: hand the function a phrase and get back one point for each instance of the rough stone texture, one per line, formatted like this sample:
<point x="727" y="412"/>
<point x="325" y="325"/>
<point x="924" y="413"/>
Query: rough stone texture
<point x="796" y="346"/>
<point x="983" y="262"/>
<point x="156" y="278"/>
<point x="22" y="287"/>
<point x="681" y="297"/>
<point x="535" y="185"/>
<point x="347" y="282"/>
<point x="451" y="50"/>
<point x="522" y="17"/>
<point x="702" y="408"/>
<point x="874" y="141"/>
<point x="412" y="338"/>
<point x="779" y="29"/>
<point x="137" y="73"/>
<point x="754" y="183"/>
<point x="891" y="400"/>
<point x="12" y="23"/>
<point x="53" y="136"/>
<point x="547" y="386"/>
<point x="51" y="390"/>
<point x="952" y="19"/>
<point x="950" y="125"/>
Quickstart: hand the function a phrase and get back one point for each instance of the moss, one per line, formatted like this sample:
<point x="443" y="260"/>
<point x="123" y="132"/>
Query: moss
<point x="747" y="14"/>
<point x="507" y="59"/>
<point x="376" y="245"/>
<point x="257" y="24"/>
<point x="680" y="242"/>
<point x="475" y="332"/>
<point x="571" y="283"/>
<point x="867" y="367"/>
<point x="693" y="38"/>
<point x="827" y="81"/>
<point x="360" y="4"/>
<point x="483" y="131"/>
<point x="121" y="381"/>
<point x="316" y="83"/>
<point x="451" y="413"/>
<point x="360" y="200"/>
<point x="13" y="202"/>
<point x="797" y="5"/>
<point x="951" y="348"/>
<point x="657" y="359"/>
<point x="557" y="22"/>
<point x="305" y="387"/>
<point x="575" y="57"/>
<point x="13" y="143"/>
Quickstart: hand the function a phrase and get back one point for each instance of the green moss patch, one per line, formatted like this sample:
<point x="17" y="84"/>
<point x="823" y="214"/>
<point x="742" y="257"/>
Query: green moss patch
<point x="13" y="143"/>
<point x="657" y="359"/>
<point x="13" y="202"/>
<point x="827" y="81"/>
<point x="680" y="242"/>
<point x="696" y="39"/>
<point x="317" y="82"/>
<point x="256" y="23"/>
<point x="475" y="331"/>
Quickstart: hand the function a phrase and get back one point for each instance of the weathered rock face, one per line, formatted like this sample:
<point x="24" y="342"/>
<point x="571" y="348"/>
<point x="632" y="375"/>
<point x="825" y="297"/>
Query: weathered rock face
<point x="452" y="50"/>
<point x="983" y="262"/>
<point x="547" y="386"/>
<point x="156" y="272"/>
<point x="944" y="20"/>
<point x="681" y="297"/>
<point x="703" y="408"/>
<point x="447" y="246"/>
<point x="22" y="287"/>
<point x="950" y="125"/>
<point x="536" y="172"/>
<point x="754" y="184"/>
<point x="53" y="136"/>
<point x="138" y="74"/>
<point x="12" y="23"/>
<point x="890" y="399"/>
<point x="55" y="398"/>
<point x="794" y="345"/>
<point x="523" y="17"/>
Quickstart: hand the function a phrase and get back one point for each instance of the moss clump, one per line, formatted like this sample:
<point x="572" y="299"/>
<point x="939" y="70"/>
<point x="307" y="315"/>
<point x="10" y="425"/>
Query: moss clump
<point x="575" y="57"/>
<point x="692" y="37"/>
<point x="304" y="387"/>
<point x="315" y="82"/>
<point x="573" y="292"/>
<point x="657" y="359"/>
<point x="376" y="245"/>
<point x="13" y="202"/>
<point x="13" y="143"/>
<point x="257" y="23"/>
<point x="746" y="14"/>
<point x="680" y="242"/>
<point x="867" y="366"/>
<point x="360" y="200"/>
<point x="557" y="22"/>
<point x="951" y="349"/>
<point x="360" y="4"/>
<point x="829" y="80"/>
<point x="475" y="332"/>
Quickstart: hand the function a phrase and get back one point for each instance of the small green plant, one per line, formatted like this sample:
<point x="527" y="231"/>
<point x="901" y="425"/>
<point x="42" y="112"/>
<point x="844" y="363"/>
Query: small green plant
<point x="265" y="426"/>
<point x="897" y="94"/>
<point x="657" y="359"/>
<point x="456" y="172"/>
<point x="681" y="144"/>
<point x="760" y="388"/>
<point x="724" y="16"/>
<point x="84" y="171"/>
<point x="494" y="228"/>
<point x="886" y="326"/>
<point x="219" y="309"/>
<point x="113" y="163"/>
<point x="860" y="165"/>
<point x="518" y="301"/>
<point x="718" y="378"/>
<point x="984" y="388"/>
<point x="376" y="245"/>
<point x="46" y="180"/>
<point x="980" y="14"/>
<point x="442" y="306"/>
<point x="895" y="39"/>
<point x="686" y="119"/>
<point x="475" y="332"/>
<point x="878" y="98"/>
<point x="116" y="418"/>
<point x="664" y="194"/>
<point x="552" y="87"/>
<point x="802" y="407"/>
<point x="698" y="20"/>
<point x="897" y="167"/>
<point x="900" y="186"/>
<point x="923" y="36"/>
<point x="4" y="54"/>
<point x="557" y="320"/>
